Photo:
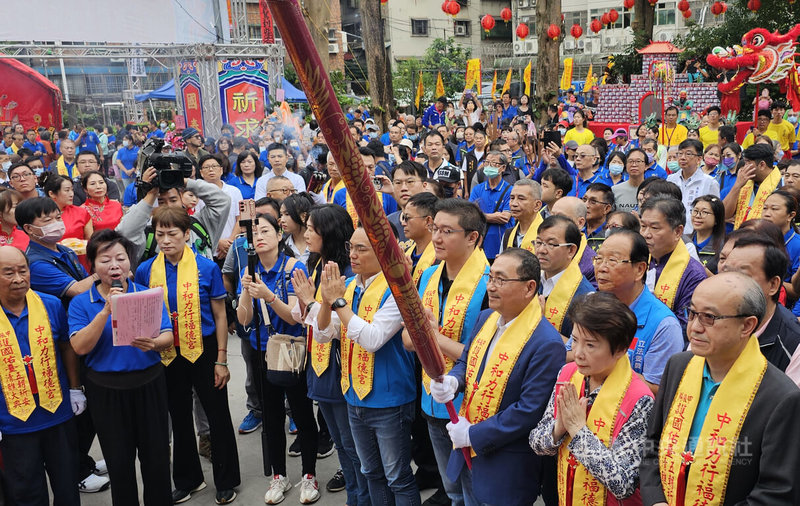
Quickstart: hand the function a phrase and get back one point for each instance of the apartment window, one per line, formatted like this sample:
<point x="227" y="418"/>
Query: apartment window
<point x="598" y="13"/>
<point x="665" y="13"/>
<point x="254" y="32"/>
<point x="419" y="27"/>
<point x="462" y="28"/>
<point x="354" y="4"/>
<point x="531" y="22"/>
<point x="575" y="17"/>
<point x="525" y="4"/>
<point x="627" y="17"/>
<point x="332" y="35"/>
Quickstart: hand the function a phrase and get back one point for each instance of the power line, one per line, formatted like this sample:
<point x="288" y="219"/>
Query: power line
<point x="198" y="23"/>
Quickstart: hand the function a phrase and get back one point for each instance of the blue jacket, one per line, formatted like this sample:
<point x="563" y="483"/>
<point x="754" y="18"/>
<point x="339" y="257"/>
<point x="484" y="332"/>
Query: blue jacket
<point x="506" y="470"/>
<point x="433" y="117"/>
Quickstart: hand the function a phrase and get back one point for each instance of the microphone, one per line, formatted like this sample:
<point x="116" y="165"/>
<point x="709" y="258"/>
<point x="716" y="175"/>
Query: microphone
<point x="116" y="284"/>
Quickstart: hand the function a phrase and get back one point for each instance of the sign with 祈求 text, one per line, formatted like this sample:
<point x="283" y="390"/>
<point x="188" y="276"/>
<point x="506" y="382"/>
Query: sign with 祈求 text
<point x="243" y="94"/>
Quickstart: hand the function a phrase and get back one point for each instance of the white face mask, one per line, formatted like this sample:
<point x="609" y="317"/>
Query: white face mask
<point x="125" y="143"/>
<point x="163" y="126"/>
<point x="6" y="166"/>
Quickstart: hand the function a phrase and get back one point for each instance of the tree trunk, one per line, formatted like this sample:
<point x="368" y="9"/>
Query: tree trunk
<point x="378" y="65"/>
<point x="644" y="16"/>
<point x="317" y="15"/>
<point x="547" y="61"/>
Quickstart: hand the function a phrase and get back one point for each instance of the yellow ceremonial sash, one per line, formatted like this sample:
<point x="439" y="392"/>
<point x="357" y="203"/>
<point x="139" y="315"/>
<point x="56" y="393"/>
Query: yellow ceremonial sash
<point x="458" y="299"/>
<point x="320" y="352"/>
<point x="62" y="167"/>
<point x="326" y="190"/>
<point x="188" y="321"/>
<point x="555" y="309"/>
<point x="666" y="286"/>
<point x="600" y="420"/>
<point x="482" y="396"/>
<point x="530" y="234"/>
<point x="357" y="361"/>
<point x="745" y="211"/>
<point x="713" y="456"/>
<point x="351" y="208"/>
<point x="427" y="259"/>
<point x="17" y="389"/>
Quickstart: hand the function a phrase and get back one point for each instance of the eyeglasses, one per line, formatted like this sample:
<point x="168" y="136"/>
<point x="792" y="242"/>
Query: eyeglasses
<point x="610" y="261"/>
<point x="282" y="190"/>
<point x="550" y="245"/>
<point x="701" y="213"/>
<point x="18" y="176"/>
<point x="636" y="162"/>
<point x="444" y="231"/>
<point x="401" y="182"/>
<point x="404" y="217"/>
<point x="499" y="282"/>
<point x="581" y="155"/>
<point x="359" y="249"/>
<point x="708" y="319"/>
<point x="209" y="167"/>
<point x="685" y="154"/>
<point x="594" y="202"/>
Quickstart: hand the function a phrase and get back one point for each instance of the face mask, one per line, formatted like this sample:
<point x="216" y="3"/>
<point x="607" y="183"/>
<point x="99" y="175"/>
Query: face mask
<point x="38" y="172"/>
<point x="710" y="162"/>
<point x="448" y="192"/>
<point x="6" y="166"/>
<point x="373" y="135"/>
<point x="616" y="168"/>
<point x="779" y="154"/>
<point x="562" y="131"/>
<point x="672" y="165"/>
<point x="261" y="149"/>
<point x="413" y="137"/>
<point x="277" y="139"/>
<point x="792" y="120"/>
<point x="125" y="143"/>
<point x="491" y="172"/>
<point x="728" y="162"/>
<point x="163" y="126"/>
<point x="460" y="136"/>
<point x="52" y="232"/>
<point x="651" y="157"/>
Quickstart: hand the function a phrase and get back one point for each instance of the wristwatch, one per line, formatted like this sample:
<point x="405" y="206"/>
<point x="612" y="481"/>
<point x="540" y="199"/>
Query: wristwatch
<point x="340" y="302"/>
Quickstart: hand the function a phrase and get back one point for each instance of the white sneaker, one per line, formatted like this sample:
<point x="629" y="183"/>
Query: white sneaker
<point x="100" y="467"/>
<point x="309" y="489"/>
<point x="279" y="486"/>
<point x="93" y="483"/>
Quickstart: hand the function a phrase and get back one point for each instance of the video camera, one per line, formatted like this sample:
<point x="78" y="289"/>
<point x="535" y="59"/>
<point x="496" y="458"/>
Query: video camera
<point x="172" y="169"/>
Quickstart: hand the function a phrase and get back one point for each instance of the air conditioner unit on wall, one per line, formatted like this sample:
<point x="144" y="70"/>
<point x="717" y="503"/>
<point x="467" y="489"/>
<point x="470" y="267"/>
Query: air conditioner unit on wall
<point x="587" y="48"/>
<point x="333" y="48"/>
<point x="519" y="47"/>
<point x="581" y="44"/>
<point x="461" y="30"/>
<point x="528" y="46"/>
<point x="610" y="41"/>
<point x="663" y="36"/>
<point x="568" y="44"/>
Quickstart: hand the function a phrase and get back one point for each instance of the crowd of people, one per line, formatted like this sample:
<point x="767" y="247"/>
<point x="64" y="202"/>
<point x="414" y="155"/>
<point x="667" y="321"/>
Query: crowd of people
<point x="618" y="314"/>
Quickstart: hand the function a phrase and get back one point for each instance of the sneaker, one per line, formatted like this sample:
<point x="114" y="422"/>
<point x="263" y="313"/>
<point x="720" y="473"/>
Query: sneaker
<point x="292" y="426"/>
<point x="250" y="423"/>
<point x="179" y="496"/>
<point x="325" y="447"/>
<point x="294" y="448"/>
<point x="279" y="486"/>
<point x="93" y="483"/>
<point x="100" y="467"/>
<point x="204" y="446"/>
<point x="225" y="496"/>
<point x="309" y="490"/>
<point x="337" y="483"/>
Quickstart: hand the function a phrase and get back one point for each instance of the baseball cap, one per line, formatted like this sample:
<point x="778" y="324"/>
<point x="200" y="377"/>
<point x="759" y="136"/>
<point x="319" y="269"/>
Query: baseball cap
<point x="190" y="132"/>
<point x="447" y="174"/>
<point x="407" y="143"/>
<point x="571" y="145"/>
<point x="563" y="123"/>
<point x="620" y="132"/>
<point x="372" y="127"/>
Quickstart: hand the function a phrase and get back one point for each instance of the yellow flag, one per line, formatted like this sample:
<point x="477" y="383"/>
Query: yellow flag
<point x="566" y="77"/>
<point x="473" y="76"/>
<point x="587" y="86"/>
<point x="439" y="85"/>
<point x="420" y="90"/>
<point x="507" y="84"/>
<point x="494" y="85"/>
<point x="526" y="77"/>
<point x="608" y="67"/>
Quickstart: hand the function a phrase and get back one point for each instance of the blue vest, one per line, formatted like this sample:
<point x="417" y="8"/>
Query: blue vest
<point x="393" y="373"/>
<point x="429" y="406"/>
<point x="649" y="313"/>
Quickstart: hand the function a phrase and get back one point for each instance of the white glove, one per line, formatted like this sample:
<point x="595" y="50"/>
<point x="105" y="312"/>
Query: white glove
<point x="445" y="390"/>
<point x="459" y="433"/>
<point x="78" y="401"/>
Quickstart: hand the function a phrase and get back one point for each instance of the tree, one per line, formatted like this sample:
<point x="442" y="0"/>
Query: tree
<point x="378" y="66"/>
<point x="644" y="17"/>
<point x="317" y="15"/>
<point x="547" y="62"/>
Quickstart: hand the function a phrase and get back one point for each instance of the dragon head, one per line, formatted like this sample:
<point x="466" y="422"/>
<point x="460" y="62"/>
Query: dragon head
<point x="763" y="57"/>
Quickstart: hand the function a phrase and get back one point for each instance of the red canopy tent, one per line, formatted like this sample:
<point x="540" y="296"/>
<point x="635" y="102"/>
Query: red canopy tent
<point x="27" y="97"/>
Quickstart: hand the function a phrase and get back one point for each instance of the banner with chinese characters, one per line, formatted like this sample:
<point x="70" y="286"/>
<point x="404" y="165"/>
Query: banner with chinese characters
<point x="191" y="95"/>
<point x="243" y="94"/>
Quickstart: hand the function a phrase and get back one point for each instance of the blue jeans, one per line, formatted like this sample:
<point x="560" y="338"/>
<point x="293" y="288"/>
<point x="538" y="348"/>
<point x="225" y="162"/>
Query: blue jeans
<point x="460" y="493"/>
<point x="383" y="441"/>
<point x="335" y="414"/>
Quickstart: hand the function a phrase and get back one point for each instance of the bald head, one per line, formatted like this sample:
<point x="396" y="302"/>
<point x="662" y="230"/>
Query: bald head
<point x="15" y="276"/>
<point x="740" y="290"/>
<point x="572" y="208"/>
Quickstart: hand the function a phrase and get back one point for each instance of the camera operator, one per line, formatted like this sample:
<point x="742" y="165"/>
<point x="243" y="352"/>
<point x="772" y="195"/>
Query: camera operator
<point x="194" y="146"/>
<point x="206" y="224"/>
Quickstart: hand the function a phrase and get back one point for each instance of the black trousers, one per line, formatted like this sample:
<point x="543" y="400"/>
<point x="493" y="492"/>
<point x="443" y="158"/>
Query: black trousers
<point x="86" y="433"/>
<point x="182" y="376"/>
<point x="274" y="418"/>
<point x="28" y="457"/>
<point x="131" y="421"/>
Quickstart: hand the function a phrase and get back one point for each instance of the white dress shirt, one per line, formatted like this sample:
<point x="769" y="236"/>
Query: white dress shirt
<point x="696" y="185"/>
<point x="297" y="181"/>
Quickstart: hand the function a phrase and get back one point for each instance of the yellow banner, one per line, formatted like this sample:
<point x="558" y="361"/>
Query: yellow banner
<point x="494" y="85"/>
<point x="566" y="77"/>
<point x="473" y="76"/>
<point x="420" y="90"/>
<point x="439" y="85"/>
<point x="526" y="77"/>
<point x="587" y="87"/>
<point x="507" y="84"/>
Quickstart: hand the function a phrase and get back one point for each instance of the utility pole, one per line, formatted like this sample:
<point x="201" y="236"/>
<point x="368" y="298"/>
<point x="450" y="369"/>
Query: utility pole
<point x="318" y="17"/>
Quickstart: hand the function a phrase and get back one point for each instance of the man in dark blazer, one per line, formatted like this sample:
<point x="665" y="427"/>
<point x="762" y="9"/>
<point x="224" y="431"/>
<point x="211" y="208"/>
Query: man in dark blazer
<point x="504" y="469"/>
<point x="724" y="312"/>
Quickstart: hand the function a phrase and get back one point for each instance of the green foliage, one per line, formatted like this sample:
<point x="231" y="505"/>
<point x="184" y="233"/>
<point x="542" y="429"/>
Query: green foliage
<point x="444" y="55"/>
<point x="626" y="63"/>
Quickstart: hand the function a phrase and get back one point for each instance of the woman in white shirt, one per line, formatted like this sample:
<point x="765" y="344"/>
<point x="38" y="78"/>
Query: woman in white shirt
<point x="294" y="213"/>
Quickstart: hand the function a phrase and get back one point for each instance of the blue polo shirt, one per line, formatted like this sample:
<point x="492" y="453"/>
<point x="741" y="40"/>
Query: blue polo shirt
<point x="487" y="199"/>
<point x="248" y="190"/>
<point x="509" y="113"/>
<point x="40" y="418"/>
<point x="580" y="185"/>
<point x="389" y="204"/>
<point x="34" y="147"/>
<point x="280" y="284"/>
<point x="129" y="198"/>
<point x="707" y="392"/>
<point x="105" y="357"/>
<point x="128" y="157"/>
<point x="792" y="242"/>
<point x="210" y="287"/>
<point x="55" y="274"/>
<point x="655" y="170"/>
<point x="90" y="143"/>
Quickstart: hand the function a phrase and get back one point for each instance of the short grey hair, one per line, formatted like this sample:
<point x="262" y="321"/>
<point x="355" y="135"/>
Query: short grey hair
<point x="536" y="188"/>
<point x="753" y="302"/>
<point x="501" y="155"/>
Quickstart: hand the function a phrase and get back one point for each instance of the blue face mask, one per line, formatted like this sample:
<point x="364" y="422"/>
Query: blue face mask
<point x="728" y="162"/>
<point x="412" y="137"/>
<point x="490" y="171"/>
<point x="616" y="168"/>
<point x="673" y="166"/>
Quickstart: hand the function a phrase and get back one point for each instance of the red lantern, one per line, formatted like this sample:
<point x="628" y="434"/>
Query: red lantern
<point x="444" y="6"/>
<point x="725" y="7"/>
<point x="754" y="5"/>
<point x="683" y="5"/>
<point x="384" y="1"/>
<point x="605" y="19"/>
<point x="453" y="8"/>
<point x="506" y="14"/>
<point x="687" y="13"/>
<point x="553" y="31"/>
<point x="576" y="31"/>
<point x="595" y="25"/>
<point x="613" y="15"/>
<point x="653" y="2"/>
<point x="628" y="4"/>
<point x="716" y="8"/>
<point x="487" y="22"/>
<point x="522" y="31"/>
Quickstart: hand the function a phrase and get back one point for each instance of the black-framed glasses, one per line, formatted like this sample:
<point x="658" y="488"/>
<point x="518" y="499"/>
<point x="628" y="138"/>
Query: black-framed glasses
<point x="406" y="218"/>
<point x="499" y="282"/>
<point x="18" y="176"/>
<point x="610" y="261"/>
<point x="701" y="213"/>
<point x="359" y="249"/>
<point x="550" y="245"/>
<point x="209" y="167"/>
<point x="594" y="202"/>
<point x="708" y="319"/>
<point x="686" y="154"/>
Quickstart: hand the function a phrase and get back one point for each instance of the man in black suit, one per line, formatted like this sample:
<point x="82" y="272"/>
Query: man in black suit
<point x="723" y="429"/>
